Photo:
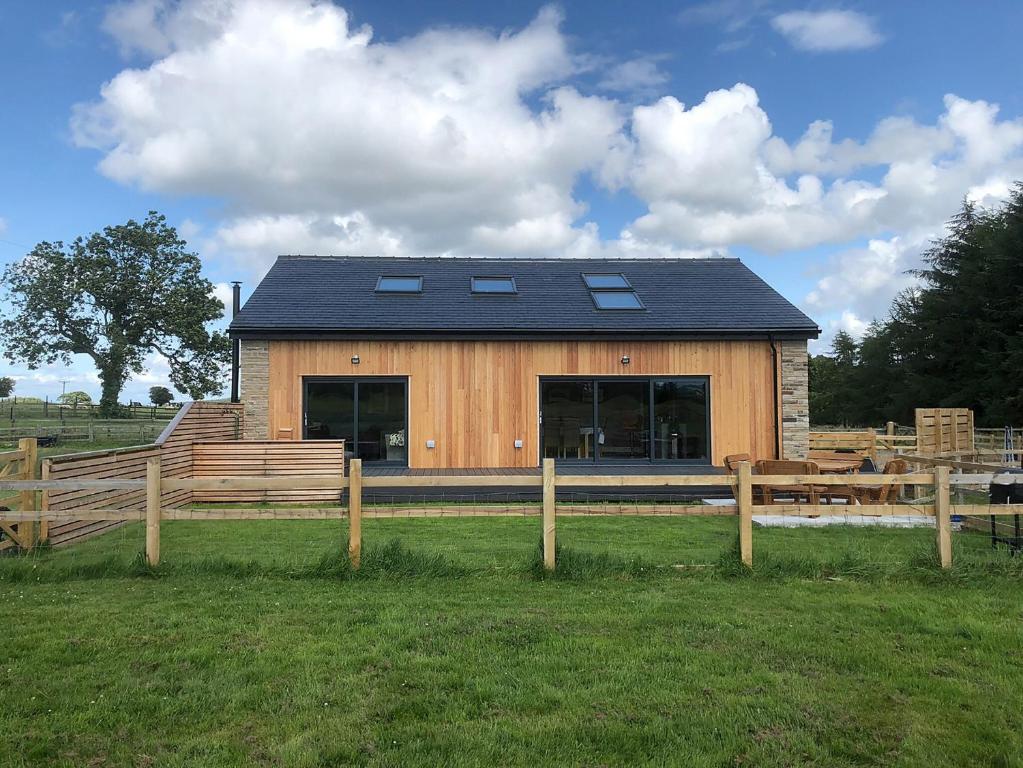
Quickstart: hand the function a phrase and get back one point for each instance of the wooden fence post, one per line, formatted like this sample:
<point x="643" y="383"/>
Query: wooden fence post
<point x="744" y="496"/>
<point x="355" y="512"/>
<point x="27" y="530"/>
<point x="549" y="535"/>
<point x="890" y="428"/>
<point x="942" y="516"/>
<point x="153" y="510"/>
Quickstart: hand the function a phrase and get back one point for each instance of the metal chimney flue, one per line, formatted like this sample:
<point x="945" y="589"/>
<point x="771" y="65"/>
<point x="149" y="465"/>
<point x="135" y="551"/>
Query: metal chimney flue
<point x="236" y="304"/>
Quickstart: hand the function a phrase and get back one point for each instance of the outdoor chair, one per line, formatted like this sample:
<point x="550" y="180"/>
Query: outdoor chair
<point x="732" y="463"/>
<point x="883" y="494"/>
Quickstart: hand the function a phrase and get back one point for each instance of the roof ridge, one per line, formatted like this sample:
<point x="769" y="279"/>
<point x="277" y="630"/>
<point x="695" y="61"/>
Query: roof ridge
<point x="518" y="259"/>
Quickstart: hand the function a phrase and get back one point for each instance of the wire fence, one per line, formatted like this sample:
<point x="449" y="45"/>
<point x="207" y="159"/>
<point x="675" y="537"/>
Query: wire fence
<point x="631" y="525"/>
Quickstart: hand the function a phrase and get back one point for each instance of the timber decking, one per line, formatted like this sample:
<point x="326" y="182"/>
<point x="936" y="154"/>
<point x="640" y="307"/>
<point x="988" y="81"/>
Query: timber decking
<point x="639" y="468"/>
<point x="518" y="493"/>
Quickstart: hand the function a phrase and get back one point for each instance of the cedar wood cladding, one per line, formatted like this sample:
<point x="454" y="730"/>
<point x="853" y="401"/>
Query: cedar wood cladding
<point x="476" y="398"/>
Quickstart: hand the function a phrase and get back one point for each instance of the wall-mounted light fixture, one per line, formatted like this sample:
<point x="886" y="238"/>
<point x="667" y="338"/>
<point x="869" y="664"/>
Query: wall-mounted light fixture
<point x="355" y="359"/>
<point x="626" y="360"/>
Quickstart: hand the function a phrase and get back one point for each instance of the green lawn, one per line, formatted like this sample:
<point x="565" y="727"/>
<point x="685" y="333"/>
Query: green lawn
<point x="254" y="644"/>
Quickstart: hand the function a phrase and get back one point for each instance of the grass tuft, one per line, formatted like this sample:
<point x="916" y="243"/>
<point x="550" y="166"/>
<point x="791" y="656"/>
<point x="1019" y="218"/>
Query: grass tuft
<point x="577" y="564"/>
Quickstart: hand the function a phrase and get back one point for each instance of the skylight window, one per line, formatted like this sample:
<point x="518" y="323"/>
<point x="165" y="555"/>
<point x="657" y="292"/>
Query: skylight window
<point x="493" y="285"/>
<point x="616" y="300"/>
<point x="610" y="281"/>
<point x="400" y="284"/>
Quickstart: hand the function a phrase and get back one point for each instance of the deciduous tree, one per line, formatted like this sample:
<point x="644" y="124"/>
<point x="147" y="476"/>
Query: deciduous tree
<point x="117" y="296"/>
<point x="160" y="395"/>
<point x="74" y="399"/>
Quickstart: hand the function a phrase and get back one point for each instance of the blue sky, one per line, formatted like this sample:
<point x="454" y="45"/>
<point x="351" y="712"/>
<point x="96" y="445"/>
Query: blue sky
<point x="511" y="128"/>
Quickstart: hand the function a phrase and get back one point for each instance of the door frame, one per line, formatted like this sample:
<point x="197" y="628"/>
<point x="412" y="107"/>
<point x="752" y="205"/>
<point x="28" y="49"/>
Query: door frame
<point x="649" y="379"/>
<point x="356" y="380"/>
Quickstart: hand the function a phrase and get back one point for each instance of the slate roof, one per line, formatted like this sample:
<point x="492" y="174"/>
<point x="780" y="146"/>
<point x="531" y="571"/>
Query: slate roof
<point x="315" y="296"/>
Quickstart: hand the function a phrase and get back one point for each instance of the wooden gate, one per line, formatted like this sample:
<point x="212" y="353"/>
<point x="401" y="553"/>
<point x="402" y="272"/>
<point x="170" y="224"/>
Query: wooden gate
<point x="21" y="464"/>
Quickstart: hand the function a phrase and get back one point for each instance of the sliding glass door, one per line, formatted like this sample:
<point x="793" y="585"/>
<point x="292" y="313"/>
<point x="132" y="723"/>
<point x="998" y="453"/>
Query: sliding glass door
<point x="681" y="420"/>
<point x="568" y="419"/>
<point x="626" y="419"/>
<point x="370" y="415"/>
<point x="623" y="414"/>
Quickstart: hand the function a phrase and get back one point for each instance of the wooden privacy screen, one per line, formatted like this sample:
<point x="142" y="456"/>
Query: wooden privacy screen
<point x="944" y="430"/>
<point x="119" y="464"/>
<point x="194" y="421"/>
<point x="264" y="458"/>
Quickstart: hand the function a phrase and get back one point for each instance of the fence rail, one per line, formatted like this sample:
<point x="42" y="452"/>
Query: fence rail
<point x="936" y="432"/>
<point x="867" y="443"/>
<point x="742" y="485"/>
<point x="14" y="409"/>
<point x="90" y="432"/>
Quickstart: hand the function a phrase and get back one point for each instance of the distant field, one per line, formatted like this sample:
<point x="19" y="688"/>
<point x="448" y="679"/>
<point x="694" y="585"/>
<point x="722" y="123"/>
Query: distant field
<point x="21" y="411"/>
<point x="76" y="436"/>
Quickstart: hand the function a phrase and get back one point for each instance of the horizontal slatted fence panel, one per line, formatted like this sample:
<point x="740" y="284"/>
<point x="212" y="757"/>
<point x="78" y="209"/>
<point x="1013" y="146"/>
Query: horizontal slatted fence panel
<point x="195" y="421"/>
<point x="292" y="458"/>
<point x="120" y="464"/>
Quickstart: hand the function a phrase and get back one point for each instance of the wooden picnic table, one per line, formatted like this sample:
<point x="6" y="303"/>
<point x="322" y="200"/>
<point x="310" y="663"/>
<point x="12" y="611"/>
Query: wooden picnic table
<point x="836" y="463"/>
<point x="838" y="466"/>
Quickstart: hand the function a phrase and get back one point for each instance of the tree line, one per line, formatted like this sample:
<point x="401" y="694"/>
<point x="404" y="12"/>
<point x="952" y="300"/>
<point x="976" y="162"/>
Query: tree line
<point x="954" y="340"/>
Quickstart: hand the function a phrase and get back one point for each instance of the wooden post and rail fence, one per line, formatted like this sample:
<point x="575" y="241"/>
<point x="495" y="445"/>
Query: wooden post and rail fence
<point x="943" y="432"/>
<point x="743" y="485"/>
<point x="21" y="465"/>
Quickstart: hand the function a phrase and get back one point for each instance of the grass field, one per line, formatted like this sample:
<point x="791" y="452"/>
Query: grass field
<point x="255" y="644"/>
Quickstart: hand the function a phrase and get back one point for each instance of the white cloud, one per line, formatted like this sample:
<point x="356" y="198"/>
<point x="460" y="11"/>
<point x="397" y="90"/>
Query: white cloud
<point x="853" y="324"/>
<point x="253" y="242"/>
<point x="832" y="30"/>
<point x="847" y="321"/>
<point x="732" y="15"/>
<point x="157" y="27"/>
<point x="639" y="75"/>
<point x="283" y="108"/>
<point x="863" y="281"/>
<point x="224" y="292"/>
<point x="320" y="139"/>
<point x="715" y="175"/>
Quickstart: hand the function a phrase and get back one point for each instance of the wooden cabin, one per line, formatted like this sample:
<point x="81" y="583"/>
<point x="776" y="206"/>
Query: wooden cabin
<point x="441" y="363"/>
